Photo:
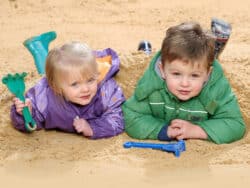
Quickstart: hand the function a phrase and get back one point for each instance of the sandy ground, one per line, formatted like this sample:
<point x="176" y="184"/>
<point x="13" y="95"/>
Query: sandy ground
<point x="51" y="158"/>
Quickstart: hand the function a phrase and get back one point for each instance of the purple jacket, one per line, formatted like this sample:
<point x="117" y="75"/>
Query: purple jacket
<point x="104" y="113"/>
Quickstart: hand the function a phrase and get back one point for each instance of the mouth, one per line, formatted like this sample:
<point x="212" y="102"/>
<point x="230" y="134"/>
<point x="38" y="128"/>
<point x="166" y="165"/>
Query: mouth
<point x="184" y="92"/>
<point x="85" y="97"/>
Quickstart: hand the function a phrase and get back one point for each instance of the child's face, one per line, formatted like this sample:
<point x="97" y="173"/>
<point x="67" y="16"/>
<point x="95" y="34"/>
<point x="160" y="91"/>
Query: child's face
<point x="185" y="79"/>
<point x="78" y="90"/>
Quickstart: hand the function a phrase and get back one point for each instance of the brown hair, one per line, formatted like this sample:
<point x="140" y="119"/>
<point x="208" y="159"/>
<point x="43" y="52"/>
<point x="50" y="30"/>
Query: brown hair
<point x="187" y="42"/>
<point x="69" y="57"/>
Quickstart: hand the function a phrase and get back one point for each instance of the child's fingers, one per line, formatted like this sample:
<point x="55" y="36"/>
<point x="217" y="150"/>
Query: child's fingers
<point x="17" y="101"/>
<point x="79" y="128"/>
<point x="175" y="121"/>
<point x="181" y="137"/>
<point x="178" y="121"/>
<point x="19" y="108"/>
<point x="76" y="120"/>
<point x="77" y="125"/>
<point x="27" y="102"/>
<point x="19" y="105"/>
<point x="79" y="121"/>
<point x="172" y="132"/>
<point x="176" y="125"/>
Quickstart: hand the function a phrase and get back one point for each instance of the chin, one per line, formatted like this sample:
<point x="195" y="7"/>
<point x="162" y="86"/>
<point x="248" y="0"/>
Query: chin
<point x="184" y="98"/>
<point x="82" y="103"/>
<point x="85" y="103"/>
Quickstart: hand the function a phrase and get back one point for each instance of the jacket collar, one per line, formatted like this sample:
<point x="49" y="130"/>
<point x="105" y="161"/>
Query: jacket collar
<point x="115" y="62"/>
<point x="150" y="81"/>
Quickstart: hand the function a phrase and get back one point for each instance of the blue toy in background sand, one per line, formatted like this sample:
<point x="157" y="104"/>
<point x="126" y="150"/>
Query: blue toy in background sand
<point x="176" y="148"/>
<point x="38" y="47"/>
<point x="15" y="84"/>
<point x="222" y="31"/>
<point x="145" y="46"/>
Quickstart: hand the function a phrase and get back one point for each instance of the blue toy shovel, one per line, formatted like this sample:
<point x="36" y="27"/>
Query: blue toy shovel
<point x="15" y="84"/>
<point x="176" y="148"/>
<point x="38" y="47"/>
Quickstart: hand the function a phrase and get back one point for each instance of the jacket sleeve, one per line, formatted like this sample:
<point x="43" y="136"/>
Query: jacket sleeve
<point x="139" y="121"/>
<point x="38" y="97"/>
<point x="110" y="122"/>
<point x="225" y="123"/>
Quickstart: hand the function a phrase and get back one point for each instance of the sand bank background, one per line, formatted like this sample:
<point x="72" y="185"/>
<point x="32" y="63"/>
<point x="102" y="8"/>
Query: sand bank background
<point x="51" y="158"/>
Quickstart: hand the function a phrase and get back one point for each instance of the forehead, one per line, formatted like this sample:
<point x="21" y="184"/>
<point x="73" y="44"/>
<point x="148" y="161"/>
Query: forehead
<point x="195" y="65"/>
<point x="74" y="74"/>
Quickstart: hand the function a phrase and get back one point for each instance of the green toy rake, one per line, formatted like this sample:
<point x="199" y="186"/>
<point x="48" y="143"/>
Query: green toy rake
<point x="15" y="84"/>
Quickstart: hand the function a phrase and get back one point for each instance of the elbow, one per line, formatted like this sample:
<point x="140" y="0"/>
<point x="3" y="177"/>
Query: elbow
<point x="235" y="135"/>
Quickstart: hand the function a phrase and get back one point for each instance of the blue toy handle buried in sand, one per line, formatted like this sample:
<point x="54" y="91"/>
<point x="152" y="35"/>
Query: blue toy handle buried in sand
<point x="38" y="47"/>
<point x="15" y="84"/>
<point x="176" y="148"/>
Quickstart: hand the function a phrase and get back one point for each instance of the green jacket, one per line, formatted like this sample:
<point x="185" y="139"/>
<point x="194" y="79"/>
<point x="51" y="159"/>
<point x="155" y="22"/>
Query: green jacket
<point x="152" y="107"/>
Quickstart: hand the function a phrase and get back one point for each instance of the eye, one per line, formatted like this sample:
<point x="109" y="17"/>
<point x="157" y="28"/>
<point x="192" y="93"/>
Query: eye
<point x="195" y="75"/>
<point x="74" y="84"/>
<point x="176" y="73"/>
<point x="91" y="80"/>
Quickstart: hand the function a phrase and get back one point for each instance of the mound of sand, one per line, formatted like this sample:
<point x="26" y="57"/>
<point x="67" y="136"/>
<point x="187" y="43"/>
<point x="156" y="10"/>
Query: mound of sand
<point x="67" y="159"/>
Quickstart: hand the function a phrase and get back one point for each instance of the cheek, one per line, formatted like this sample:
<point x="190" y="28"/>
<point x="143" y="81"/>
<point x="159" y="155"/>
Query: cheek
<point x="198" y="86"/>
<point x="68" y="93"/>
<point x="93" y="88"/>
<point x="171" y="83"/>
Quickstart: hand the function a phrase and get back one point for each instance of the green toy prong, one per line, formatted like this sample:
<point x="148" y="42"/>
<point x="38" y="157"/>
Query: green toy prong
<point x="15" y="84"/>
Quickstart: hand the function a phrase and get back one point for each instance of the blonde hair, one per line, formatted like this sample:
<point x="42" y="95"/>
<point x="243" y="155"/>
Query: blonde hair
<point x="69" y="57"/>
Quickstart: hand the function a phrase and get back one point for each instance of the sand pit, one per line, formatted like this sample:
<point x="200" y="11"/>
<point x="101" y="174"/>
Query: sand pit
<point x="52" y="158"/>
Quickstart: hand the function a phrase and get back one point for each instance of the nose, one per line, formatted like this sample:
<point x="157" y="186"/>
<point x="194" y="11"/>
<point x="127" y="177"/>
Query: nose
<point x="184" y="81"/>
<point x="84" y="88"/>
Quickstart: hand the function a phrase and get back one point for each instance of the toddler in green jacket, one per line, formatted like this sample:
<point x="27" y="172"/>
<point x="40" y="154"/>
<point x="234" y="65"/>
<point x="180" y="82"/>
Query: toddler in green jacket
<point x="184" y="94"/>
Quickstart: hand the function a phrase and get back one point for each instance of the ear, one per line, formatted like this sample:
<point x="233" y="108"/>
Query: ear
<point x="161" y="68"/>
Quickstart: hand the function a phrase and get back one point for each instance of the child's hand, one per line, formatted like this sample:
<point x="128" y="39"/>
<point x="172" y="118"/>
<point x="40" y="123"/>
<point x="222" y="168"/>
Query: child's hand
<point x="82" y="126"/>
<point x="20" y="105"/>
<point x="173" y="132"/>
<point x="186" y="130"/>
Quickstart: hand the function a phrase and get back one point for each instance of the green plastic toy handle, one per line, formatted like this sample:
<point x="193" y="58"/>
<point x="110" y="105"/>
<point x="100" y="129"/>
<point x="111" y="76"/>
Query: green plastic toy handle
<point x="15" y="84"/>
<point x="30" y="124"/>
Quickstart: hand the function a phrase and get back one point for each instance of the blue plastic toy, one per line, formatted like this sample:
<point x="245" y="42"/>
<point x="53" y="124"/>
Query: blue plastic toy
<point x="176" y="148"/>
<point x="38" y="47"/>
<point x="15" y="84"/>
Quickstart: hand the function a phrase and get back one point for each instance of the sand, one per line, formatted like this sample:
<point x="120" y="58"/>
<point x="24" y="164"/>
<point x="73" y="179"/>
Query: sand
<point x="52" y="158"/>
